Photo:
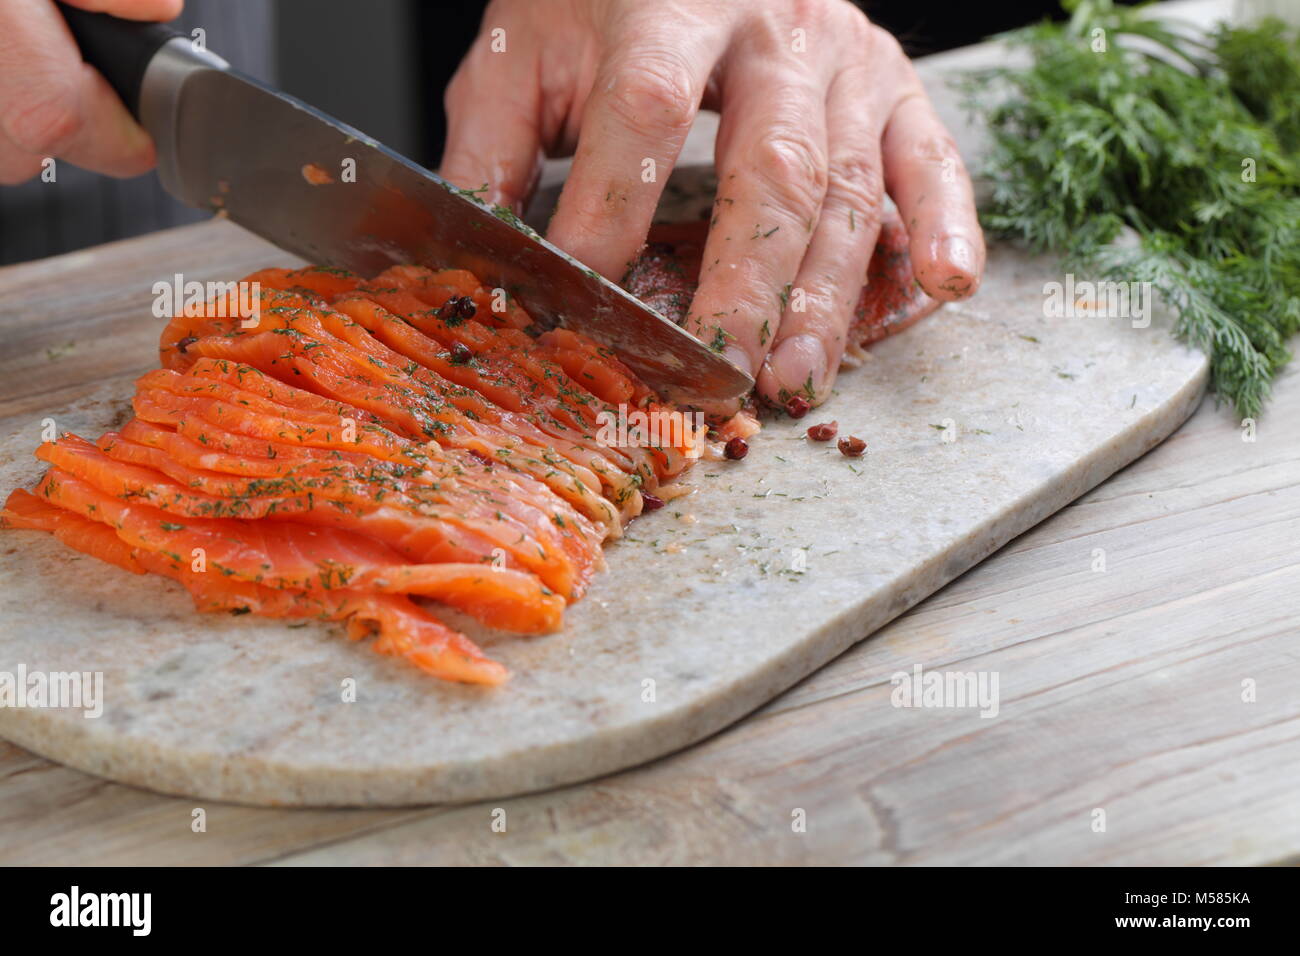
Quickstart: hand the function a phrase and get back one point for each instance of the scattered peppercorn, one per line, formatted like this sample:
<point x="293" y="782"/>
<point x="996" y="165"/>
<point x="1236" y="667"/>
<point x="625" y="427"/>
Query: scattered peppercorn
<point x="460" y="354"/>
<point x="798" y="407"/>
<point x="185" y="343"/>
<point x="651" y="502"/>
<point x="823" y="432"/>
<point x="737" y="448"/>
<point x="457" y="307"/>
<point x="852" y="447"/>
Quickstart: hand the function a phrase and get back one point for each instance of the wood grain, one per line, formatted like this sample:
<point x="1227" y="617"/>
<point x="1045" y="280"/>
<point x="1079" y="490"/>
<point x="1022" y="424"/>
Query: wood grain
<point x="99" y="331"/>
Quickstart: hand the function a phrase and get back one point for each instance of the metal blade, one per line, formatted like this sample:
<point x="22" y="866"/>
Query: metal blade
<point x="226" y="142"/>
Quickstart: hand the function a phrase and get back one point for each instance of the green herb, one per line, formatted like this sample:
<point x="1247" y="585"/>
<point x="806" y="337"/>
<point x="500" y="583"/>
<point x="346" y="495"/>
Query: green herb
<point x="1189" y="142"/>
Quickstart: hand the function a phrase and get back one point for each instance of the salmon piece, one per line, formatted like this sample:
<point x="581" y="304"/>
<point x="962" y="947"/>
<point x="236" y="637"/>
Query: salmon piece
<point x="567" y="403"/>
<point x="273" y="439"/>
<point x="434" y="288"/>
<point x="446" y="470"/>
<point x="426" y="537"/>
<point x="504" y="352"/>
<point x="402" y="629"/>
<point x="544" y="421"/>
<point x="491" y="490"/>
<point x="24" y="510"/>
<point x="559" y="363"/>
<point x="425" y="523"/>
<point x="281" y="554"/>
<point x="409" y="412"/>
<point x="891" y="300"/>
<point x="486" y="388"/>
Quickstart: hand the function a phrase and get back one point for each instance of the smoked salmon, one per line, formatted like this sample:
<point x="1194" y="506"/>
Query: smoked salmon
<point x="347" y="449"/>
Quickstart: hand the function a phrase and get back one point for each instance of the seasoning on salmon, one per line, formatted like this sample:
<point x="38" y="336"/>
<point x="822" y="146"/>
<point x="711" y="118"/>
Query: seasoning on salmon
<point x="348" y="449"/>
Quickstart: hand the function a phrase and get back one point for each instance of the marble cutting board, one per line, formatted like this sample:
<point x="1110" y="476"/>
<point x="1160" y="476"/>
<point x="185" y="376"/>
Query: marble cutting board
<point x="981" y="421"/>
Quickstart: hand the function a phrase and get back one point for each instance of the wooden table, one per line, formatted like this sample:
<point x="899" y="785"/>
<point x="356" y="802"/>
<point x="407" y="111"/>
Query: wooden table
<point x="1120" y="689"/>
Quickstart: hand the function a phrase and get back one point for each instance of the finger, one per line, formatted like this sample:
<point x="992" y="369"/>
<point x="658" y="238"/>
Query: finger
<point x="494" y="109"/>
<point x="132" y="9"/>
<point x="52" y="104"/>
<point x="925" y="175"/>
<point x="814" y="327"/>
<point x="645" y="96"/>
<point x="772" y="175"/>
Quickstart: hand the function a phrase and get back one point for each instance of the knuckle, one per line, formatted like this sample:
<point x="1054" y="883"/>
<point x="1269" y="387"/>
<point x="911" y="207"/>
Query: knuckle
<point x="794" y="169"/>
<point x="654" y="88"/>
<point x="823" y="310"/>
<point x="815" y="11"/>
<point x="47" y="123"/>
<point x="854" y="23"/>
<point x="859" y="181"/>
<point x="882" y="44"/>
<point x="938" y="149"/>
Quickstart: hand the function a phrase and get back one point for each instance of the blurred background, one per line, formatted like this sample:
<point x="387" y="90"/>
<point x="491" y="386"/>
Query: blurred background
<point x="381" y="66"/>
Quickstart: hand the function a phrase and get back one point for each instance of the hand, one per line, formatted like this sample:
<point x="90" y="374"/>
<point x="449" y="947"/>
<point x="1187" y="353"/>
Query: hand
<point x="54" y="105"/>
<point x="821" y="114"/>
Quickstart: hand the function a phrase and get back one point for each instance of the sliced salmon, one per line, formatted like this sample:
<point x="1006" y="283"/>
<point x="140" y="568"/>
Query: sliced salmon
<point x="399" y="626"/>
<point x="284" y="554"/>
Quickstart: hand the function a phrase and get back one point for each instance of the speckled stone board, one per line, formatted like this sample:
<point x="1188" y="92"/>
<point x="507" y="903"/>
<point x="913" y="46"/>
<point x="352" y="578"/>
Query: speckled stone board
<point x="981" y="421"/>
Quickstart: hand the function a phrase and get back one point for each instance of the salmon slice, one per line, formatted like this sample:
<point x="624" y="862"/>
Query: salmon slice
<point x="560" y="364"/>
<point x="25" y="510"/>
<point x="401" y="628"/>
<point x="426" y="523"/>
<point x="443" y="474"/>
<point x="282" y="554"/>
<point x="485" y="384"/>
<point x="414" y="414"/>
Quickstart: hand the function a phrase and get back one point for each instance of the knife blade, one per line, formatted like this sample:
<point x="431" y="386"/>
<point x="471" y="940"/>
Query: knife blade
<point x="324" y="191"/>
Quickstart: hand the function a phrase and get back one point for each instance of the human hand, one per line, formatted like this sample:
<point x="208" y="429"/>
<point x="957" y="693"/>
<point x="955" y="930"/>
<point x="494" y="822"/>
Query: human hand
<point x="54" y="105"/>
<point x="821" y="114"/>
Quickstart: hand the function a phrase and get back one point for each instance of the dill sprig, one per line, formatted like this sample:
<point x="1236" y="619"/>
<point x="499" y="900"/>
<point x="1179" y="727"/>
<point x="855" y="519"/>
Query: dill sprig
<point x="1190" y="142"/>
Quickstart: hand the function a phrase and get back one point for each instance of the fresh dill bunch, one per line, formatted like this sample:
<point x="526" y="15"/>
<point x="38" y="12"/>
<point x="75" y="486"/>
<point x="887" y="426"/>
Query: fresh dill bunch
<point x="1188" y="141"/>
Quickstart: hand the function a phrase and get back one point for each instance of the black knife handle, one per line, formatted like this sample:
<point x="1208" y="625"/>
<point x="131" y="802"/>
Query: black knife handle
<point x="119" y="49"/>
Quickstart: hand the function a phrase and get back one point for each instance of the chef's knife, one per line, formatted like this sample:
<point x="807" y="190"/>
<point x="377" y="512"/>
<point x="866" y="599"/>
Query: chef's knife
<point x="326" y="192"/>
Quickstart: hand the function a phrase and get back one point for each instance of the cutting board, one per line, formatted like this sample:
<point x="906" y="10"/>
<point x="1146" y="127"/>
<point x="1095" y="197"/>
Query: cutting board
<point x="980" y="421"/>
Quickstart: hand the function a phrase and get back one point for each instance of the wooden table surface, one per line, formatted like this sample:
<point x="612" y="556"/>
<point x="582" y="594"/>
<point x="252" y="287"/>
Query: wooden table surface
<point x="1121" y="689"/>
<point x="1163" y="690"/>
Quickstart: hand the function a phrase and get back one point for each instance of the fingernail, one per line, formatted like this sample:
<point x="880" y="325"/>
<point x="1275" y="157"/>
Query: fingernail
<point x="800" y="362"/>
<point x="738" y="357"/>
<point x="959" y="253"/>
